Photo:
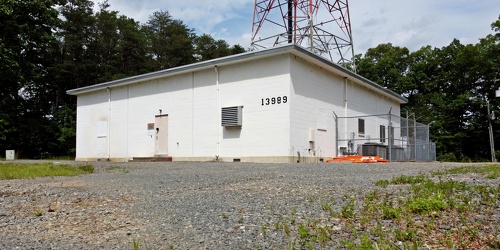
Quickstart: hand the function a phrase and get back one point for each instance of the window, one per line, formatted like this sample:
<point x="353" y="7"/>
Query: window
<point x="382" y="133"/>
<point x="321" y="119"/>
<point x="102" y="129"/>
<point x="361" y="126"/>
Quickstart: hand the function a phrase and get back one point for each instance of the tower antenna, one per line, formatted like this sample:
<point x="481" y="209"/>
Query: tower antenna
<point x="323" y="26"/>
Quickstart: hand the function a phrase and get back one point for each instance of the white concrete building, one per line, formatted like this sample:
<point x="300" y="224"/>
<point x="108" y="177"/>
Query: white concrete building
<point x="274" y="105"/>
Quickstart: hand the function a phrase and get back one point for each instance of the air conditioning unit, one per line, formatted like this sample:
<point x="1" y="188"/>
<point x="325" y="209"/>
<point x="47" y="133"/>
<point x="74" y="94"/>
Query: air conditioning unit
<point x="231" y="116"/>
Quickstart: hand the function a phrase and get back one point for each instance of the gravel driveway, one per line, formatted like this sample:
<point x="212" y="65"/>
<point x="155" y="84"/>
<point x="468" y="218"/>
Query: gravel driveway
<point x="178" y="205"/>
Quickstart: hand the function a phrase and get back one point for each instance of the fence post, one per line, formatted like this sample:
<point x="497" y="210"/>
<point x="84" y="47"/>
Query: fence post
<point x="389" y="143"/>
<point x="415" y="135"/>
<point x="428" y="142"/>
<point x="408" y="142"/>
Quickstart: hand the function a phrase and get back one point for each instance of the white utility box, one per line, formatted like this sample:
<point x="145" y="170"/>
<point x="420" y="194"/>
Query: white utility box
<point x="10" y="155"/>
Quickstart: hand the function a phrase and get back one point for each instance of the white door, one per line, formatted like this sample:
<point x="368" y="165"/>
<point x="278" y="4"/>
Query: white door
<point x="161" y="130"/>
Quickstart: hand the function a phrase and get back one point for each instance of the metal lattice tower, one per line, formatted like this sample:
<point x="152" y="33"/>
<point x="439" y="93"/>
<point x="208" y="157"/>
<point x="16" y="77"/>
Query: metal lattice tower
<point x="323" y="26"/>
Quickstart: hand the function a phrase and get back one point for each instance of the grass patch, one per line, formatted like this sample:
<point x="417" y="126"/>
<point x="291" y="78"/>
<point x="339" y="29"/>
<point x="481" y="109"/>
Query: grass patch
<point x="399" y="180"/>
<point x="46" y="169"/>
<point x="119" y="168"/>
<point x="491" y="171"/>
<point x="59" y="158"/>
<point x="414" y="212"/>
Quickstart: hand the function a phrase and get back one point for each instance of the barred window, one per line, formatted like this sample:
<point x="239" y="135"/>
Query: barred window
<point x="361" y="126"/>
<point x="382" y="133"/>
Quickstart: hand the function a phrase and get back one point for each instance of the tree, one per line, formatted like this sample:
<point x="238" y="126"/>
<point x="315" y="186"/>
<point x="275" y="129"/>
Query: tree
<point x="76" y="62"/>
<point x="6" y="7"/>
<point x="25" y="43"/>
<point x="170" y="41"/>
<point x="448" y="87"/>
<point x="488" y="71"/>
<point x="386" y="65"/>
<point x="50" y="46"/>
<point x="237" y="49"/>
<point x="104" y="42"/>
<point x="131" y="48"/>
<point x="207" y="48"/>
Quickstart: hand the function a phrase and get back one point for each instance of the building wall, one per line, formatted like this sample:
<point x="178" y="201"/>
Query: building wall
<point x="362" y="101"/>
<point x="192" y="102"/>
<point x="288" y="111"/>
<point x="204" y="127"/>
<point x="92" y="125"/>
<point x="173" y="95"/>
<point x="265" y="130"/>
<point x="319" y="94"/>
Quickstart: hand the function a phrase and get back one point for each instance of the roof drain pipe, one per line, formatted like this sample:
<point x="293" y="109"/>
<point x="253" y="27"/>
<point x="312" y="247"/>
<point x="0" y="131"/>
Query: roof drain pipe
<point x="218" y="113"/>
<point x="109" y="124"/>
<point x="345" y="106"/>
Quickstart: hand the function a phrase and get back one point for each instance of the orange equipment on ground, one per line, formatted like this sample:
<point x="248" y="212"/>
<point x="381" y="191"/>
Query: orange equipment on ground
<point x="357" y="159"/>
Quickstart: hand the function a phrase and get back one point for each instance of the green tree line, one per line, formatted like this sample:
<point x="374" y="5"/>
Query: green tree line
<point x="448" y="88"/>
<point x="50" y="46"/>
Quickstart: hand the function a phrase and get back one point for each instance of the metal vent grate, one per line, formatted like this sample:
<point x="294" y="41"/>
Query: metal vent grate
<point x="231" y="116"/>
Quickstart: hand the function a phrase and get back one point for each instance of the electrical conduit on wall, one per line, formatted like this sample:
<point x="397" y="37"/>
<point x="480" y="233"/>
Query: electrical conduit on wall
<point x="109" y="124"/>
<point x="218" y="112"/>
<point x="345" y="107"/>
<point x="192" y="114"/>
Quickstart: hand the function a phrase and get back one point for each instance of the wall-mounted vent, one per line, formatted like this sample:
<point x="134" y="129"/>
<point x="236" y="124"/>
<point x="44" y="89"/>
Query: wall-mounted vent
<point x="231" y="116"/>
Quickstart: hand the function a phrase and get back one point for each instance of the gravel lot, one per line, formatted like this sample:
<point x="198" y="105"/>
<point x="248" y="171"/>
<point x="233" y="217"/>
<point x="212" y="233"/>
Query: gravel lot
<point x="178" y="205"/>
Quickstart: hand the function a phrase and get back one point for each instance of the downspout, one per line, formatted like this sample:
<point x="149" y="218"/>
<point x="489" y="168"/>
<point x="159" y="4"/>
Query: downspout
<point x="128" y="124"/>
<point x="218" y="112"/>
<point x="336" y="134"/>
<point x="345" y="106"/>
<point x="109" y="124"/>
<point x="192" y="112"/>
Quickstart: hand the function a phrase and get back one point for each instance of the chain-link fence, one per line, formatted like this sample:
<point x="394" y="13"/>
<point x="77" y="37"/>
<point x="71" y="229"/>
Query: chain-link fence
<point x="385" y="135"/>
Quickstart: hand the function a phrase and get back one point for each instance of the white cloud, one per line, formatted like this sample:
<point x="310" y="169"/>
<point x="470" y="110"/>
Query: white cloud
<point x="406" y="23"/>
<point x="414" y="24"/>
<point x="223" y="19"/>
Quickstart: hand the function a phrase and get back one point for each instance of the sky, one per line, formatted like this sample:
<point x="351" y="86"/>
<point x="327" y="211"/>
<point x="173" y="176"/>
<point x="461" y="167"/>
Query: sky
<point x="405" y="23"/>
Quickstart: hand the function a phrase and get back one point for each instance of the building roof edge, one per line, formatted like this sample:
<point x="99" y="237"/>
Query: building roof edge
<point x="251" y="55"/>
